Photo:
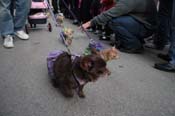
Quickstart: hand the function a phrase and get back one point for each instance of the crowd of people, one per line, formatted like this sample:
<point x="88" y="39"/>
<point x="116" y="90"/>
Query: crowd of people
<point x="130" y="20"/>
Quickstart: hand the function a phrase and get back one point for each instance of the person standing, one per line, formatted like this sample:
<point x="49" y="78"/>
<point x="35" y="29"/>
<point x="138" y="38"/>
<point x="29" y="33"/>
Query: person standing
<point x="12" y="24"/>
<point x="169" y="24"/>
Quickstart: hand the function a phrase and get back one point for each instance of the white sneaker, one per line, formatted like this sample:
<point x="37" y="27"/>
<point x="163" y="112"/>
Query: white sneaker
<point x="8" y="41"/>
<point x="22" y="35"/>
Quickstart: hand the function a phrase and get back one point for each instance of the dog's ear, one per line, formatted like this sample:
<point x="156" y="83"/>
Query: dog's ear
<point x="94" y="51"/>
<point x="86" y="64"/>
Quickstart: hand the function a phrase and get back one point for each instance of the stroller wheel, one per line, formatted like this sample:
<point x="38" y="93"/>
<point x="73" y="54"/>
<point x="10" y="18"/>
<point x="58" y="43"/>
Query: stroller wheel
<point x="34" y="25"/>
<point x="49" y="27"/>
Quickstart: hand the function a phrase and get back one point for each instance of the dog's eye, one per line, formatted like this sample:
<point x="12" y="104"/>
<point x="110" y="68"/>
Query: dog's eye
<point x="100" y="72"/>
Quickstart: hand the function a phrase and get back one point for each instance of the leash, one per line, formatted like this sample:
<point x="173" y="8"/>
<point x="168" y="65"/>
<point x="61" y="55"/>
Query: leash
<point x="64" y="40"/>
<point x="58" y="27"/>
<point x="92" y="42"/>
<point x="75" y="17"/>
<point x="51" y="12"/>
<point x="78" y="81"/>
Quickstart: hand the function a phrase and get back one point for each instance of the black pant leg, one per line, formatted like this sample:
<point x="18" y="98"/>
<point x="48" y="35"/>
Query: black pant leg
<point x="55" y="6"/>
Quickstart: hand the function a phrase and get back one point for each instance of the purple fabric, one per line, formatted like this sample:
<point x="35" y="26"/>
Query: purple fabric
<point x="62" y="37"/>
<point x="50" y="61"/>
<point x="52" y="57"/>
<point x="97" y="45"/>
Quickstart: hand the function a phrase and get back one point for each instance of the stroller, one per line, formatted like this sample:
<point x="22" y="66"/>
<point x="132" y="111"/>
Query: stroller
<point x="38" y="14"/>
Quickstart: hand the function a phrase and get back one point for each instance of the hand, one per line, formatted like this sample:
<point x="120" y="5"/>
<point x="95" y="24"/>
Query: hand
<point x="85" y="25"/>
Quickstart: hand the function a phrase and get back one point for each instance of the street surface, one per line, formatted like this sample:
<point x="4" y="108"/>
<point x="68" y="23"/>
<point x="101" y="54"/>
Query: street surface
<point x="134" y="87"/>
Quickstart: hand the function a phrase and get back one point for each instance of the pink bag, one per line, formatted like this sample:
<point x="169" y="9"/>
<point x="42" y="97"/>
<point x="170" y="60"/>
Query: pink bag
<point x="39" y="5"/>
<point x="39" y="15"/>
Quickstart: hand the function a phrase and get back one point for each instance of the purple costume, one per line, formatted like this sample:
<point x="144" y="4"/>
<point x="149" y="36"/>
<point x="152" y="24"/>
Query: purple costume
<point x="50" y="62"/>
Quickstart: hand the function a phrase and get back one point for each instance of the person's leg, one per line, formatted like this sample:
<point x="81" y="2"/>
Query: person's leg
<point x="55" y="6"/>
<point x="64" y="9"/>
<point x="6" y="23"/>
<point x="170" y="66"/>
<point x="22" y="10"/>
<point x="58" y="5"/>
<point x="6" y="19"/>
<point x="172" y="46"/>
<point x="85" y="10"/>
<point x="163" y="34"/>
<point x="75" y="10"/>
<point x="128" y="37"/>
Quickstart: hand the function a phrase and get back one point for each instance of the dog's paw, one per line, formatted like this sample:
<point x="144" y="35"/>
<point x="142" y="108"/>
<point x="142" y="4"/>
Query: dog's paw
<point x="81" y="94"/>
<point x="66" y="92"/>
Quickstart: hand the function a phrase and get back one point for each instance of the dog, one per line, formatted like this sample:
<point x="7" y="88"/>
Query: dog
<point x="72" y="72"/>
<point x="60" y="18"/>
<point x="68" y="35"/>
<point x="107" y="54"/>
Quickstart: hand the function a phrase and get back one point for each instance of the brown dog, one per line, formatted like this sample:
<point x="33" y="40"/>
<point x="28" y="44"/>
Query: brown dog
<point x="73" y="73"/>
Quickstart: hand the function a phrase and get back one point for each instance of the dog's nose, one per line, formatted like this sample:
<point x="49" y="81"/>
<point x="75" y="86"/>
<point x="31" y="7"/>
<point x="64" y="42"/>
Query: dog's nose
<point x="108" y="72"/>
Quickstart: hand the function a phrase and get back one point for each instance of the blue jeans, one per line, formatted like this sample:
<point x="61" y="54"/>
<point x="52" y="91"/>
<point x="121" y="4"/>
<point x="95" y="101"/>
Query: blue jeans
<point x="129" y="32"/>
<point x="9" y="23"/>
<point x="172" y="36"/>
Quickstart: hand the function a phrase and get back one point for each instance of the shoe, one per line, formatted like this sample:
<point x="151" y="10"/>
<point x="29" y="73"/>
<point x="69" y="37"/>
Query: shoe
<point x="8" y="41"/>
<point x="165" y="57"/>
<point x="112" y="44"/>
<point x="132" y="51"/>
<point x="165" y="67"/>
<point x="116" y="44"/>
<point x="153" y="46"/>
<point x="105" y="38"/>
<point x="97" y="32"/>
<point x="75" y="22"/>
<point x="22" y="35"/>
<point x="90" y="30"/>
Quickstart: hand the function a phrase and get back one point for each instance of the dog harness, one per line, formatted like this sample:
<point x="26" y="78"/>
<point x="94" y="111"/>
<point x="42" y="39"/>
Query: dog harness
<point x="51" y="58"/>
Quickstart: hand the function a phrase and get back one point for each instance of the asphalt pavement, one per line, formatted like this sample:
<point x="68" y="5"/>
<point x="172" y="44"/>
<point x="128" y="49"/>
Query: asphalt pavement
<point x="134" y="87"/>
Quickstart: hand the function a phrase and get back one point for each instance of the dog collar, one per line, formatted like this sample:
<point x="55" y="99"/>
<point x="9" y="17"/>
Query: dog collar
<point x="77" y="79"/>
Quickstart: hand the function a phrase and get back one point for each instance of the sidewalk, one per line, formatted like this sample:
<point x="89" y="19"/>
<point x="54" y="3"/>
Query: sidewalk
<point x="134" y="88"/>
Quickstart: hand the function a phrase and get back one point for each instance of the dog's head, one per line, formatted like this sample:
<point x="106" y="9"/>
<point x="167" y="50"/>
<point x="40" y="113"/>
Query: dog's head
<point x="106" y="54"/>
<point x="68" y="32"/>
<point x="94" y="66"/>
<point x="60" y="18"/>
<point x="110" y="54"/>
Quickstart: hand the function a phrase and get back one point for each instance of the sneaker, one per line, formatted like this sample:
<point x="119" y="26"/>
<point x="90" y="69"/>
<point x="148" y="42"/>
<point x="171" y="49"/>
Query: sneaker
<point x="8" y="41"/>
<point x="22" y="35"/>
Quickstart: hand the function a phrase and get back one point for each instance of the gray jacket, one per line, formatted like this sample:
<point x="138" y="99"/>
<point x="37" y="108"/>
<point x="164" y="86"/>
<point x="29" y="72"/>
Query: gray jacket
<point x="142" y="10"/>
